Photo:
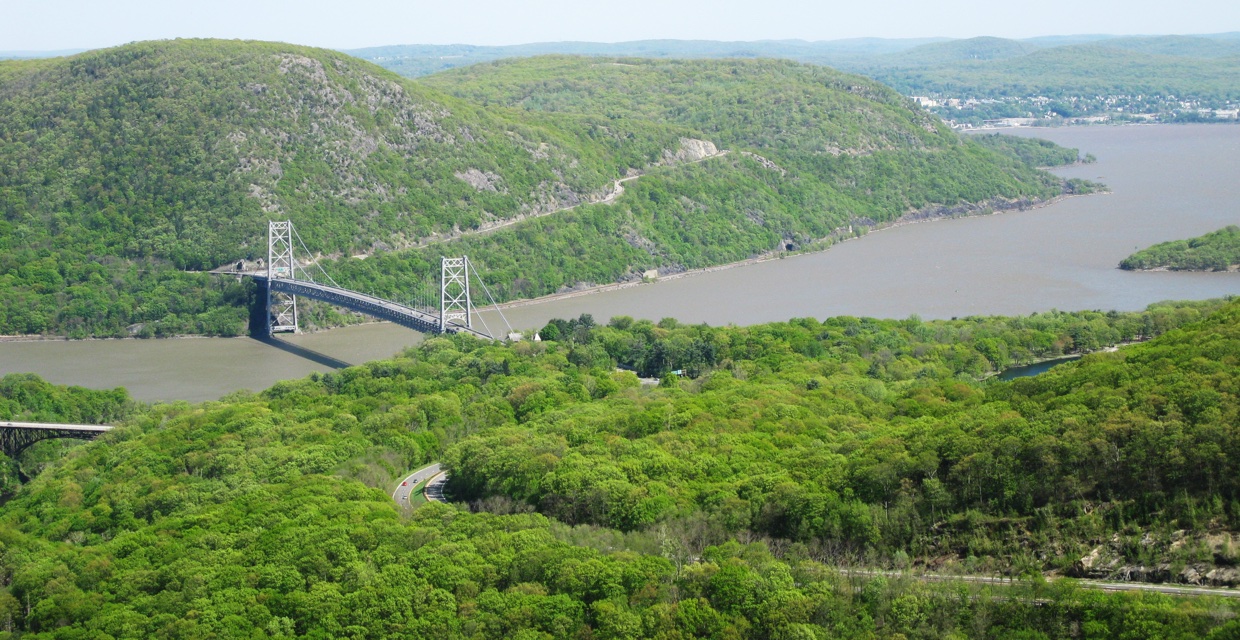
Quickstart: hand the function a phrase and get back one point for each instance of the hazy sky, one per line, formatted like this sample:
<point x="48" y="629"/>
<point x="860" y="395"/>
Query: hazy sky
<point x="69" y="24"/>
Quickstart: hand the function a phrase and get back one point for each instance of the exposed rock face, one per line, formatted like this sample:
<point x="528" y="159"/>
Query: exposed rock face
<point x="1098" y="563"/>
<point x="691" y="150"/>
<point x="1106" y="562"/>
<point x="482" y="181"/>
<point x="765" y="162"/>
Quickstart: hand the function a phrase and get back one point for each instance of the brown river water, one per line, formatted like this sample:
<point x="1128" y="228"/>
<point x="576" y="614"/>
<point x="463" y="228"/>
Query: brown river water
<point x="1167" y="182"/>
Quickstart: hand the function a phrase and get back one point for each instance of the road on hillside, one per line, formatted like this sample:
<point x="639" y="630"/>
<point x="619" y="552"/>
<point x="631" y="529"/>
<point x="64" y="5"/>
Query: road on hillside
<point x="1104" y="585"/>
<point x="404" y="492"/>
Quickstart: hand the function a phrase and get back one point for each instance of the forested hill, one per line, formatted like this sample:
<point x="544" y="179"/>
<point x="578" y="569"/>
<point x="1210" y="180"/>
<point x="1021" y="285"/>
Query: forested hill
<point x="759" y="104"/>
<point x="1215" y="251"/>
<point x="720" y="505"/>
<point x="126" y="169"/>
<point x="179" y="150"/>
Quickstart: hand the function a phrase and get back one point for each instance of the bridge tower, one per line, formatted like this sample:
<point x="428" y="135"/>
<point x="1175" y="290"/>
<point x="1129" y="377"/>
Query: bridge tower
<point x="454" y="302"/>
<point x="281" y="307"/>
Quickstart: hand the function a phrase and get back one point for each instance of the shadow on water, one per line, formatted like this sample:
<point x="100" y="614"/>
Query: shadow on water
<point x="302" y="352"/>
<point x="258" y="324"/>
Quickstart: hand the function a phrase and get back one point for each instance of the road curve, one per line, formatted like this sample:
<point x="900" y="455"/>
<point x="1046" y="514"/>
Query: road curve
<point x="434" y="487"/>
<point x="403" y="493"/>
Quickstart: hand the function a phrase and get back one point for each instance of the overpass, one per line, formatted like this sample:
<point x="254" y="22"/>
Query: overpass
<point x="16" y="436"/>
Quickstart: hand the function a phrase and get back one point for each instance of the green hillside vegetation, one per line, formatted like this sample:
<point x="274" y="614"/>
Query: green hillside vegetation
<point x="732" y="494"/>
<point x="1033" y="151"/>
<point x="865" y="438"/>
<point x="128" y="171"/>
<point x="1215" y="251"/>
<point x="27" y="398"/>
<point x="761" y="104"/>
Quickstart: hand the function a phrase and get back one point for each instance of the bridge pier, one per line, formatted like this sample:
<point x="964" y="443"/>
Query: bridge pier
<point x="265" y="309"/>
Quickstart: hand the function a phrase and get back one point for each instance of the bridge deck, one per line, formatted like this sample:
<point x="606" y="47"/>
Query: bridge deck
<point x="16" y="436"/>
<point x="99" y="428"/>
<point x="370" y="305"/>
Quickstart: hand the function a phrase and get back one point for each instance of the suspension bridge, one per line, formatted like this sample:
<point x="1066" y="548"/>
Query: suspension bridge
<point x="283" y="278"/>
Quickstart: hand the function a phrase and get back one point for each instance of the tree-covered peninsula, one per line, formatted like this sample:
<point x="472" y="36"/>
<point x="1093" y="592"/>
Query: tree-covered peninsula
<point x="752" y="497"/>
<point x="126" y="173"/>
<point x="1215" y="251"/>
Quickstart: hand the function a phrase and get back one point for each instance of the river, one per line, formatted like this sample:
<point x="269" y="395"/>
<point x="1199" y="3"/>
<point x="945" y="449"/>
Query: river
<point x="1167" y="181"/>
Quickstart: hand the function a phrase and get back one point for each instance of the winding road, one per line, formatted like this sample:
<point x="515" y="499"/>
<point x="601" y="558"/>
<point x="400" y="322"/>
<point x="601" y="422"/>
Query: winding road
<point x="434" y="488"/>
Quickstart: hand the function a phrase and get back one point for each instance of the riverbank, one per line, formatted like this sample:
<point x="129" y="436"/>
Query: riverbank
<point x="1230" y="269"/>
<point x="188" y="336"/>
<point x="813" y="247"/>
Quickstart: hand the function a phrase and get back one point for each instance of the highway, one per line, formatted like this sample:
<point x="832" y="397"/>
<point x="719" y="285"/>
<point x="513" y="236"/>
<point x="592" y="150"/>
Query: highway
<point x="434" y="490"/>
<point x="436" y="478"/>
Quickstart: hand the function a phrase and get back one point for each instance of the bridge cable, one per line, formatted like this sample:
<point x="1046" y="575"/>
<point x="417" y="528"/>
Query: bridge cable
<point x="316" y="263"/>
<point x="484" y="325"/>
<point x="492" y="298"/>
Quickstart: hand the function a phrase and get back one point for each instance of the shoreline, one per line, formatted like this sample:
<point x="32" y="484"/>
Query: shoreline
<point x="41" y="338"/>
<point x="902" y="221"/>
<point x="1230" y="269"/>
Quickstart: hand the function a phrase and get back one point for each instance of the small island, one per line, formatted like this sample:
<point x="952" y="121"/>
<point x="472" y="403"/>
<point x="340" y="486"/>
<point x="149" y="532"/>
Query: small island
<point x="1216" y="251"/>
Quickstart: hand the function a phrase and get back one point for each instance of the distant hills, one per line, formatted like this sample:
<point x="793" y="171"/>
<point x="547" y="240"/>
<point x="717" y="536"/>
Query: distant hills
<point x="849" y="54"/>
<point x="969" y="82"/>
<point x="1197" y="67"/>
<point x="957" y="51"/>
<point x="17" y="55"/>
<point x="128" y="171"/>
<point x="418" y="60"/>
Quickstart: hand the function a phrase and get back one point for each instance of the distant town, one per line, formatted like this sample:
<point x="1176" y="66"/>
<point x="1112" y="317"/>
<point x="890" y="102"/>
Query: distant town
<point x="973" y="113"/>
